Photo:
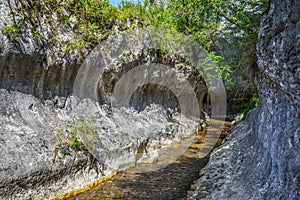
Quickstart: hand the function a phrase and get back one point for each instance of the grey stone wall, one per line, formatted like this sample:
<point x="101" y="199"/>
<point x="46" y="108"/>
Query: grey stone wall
<point x="36" y="82"/>
<point x="261" y="159"/>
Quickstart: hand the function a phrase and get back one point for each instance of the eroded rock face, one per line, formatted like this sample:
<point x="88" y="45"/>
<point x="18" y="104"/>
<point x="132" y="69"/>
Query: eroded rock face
<point x="34" y="165"/>
<point x="28" y="65"/>
<point x="148" y="93"/>
<point x="36" y="82"/>
<point x="260" y="159"/>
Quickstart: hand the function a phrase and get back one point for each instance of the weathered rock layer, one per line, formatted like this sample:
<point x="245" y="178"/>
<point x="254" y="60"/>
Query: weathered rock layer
<point x="260" y="159"/>
<point x="36" y="83"/>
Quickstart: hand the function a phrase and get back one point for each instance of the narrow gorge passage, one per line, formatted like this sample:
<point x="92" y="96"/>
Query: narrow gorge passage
<point x="171" y="182"/>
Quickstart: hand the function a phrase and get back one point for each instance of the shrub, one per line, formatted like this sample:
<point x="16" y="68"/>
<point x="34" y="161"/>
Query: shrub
<point x="224" y="28"/>
<point x="253" y="103"/>
<point x="12" y="29"/>
<point x="69" y="140"/>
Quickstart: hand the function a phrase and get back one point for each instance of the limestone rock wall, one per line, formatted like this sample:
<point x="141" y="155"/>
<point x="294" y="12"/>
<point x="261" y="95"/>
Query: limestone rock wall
<point x="36" y="81"/>
<point x="260" y="159"/>
<point x="30" y="66"/>
<point x="33" y="164"/>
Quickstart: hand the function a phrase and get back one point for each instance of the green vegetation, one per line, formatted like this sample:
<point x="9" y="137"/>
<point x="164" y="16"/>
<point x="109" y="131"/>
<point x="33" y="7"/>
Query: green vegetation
<point x="216" y="63"/>
<point x="247" y="104"/>
<point x="253" y="103"/>
<point x="69" y="140"/>
<point x="226" y="29"/>
<point x="12" y="30"/>
<point x="89" y="21"/>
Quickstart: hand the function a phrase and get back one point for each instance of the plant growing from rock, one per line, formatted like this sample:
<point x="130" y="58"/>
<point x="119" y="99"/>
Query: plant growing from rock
<point x="246" y="104"/>
<point x="69" y="142"/>
<point x="226" y="29"/>
<point x="252" y="103"/>
<point x="11" y="29"/>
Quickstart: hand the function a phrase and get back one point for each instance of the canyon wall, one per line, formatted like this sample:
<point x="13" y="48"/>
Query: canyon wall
<point x="260" y="159"/>
<point x="37" y="111"/>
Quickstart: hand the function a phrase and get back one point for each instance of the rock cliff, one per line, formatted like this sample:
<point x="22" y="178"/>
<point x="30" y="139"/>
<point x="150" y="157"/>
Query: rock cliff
<point x="37" y="106"/>
<point x="260" y="159"/>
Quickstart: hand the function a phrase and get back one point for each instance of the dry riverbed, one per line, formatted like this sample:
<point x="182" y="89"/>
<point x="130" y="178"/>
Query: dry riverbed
<point x="164" y="179"/>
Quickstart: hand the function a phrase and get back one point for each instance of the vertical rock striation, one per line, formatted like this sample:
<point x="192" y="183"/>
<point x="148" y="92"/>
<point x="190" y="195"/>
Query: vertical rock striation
<point x="278" y="123"/>
<point x="261" y="157"/>
<point x="30" y="66"/>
